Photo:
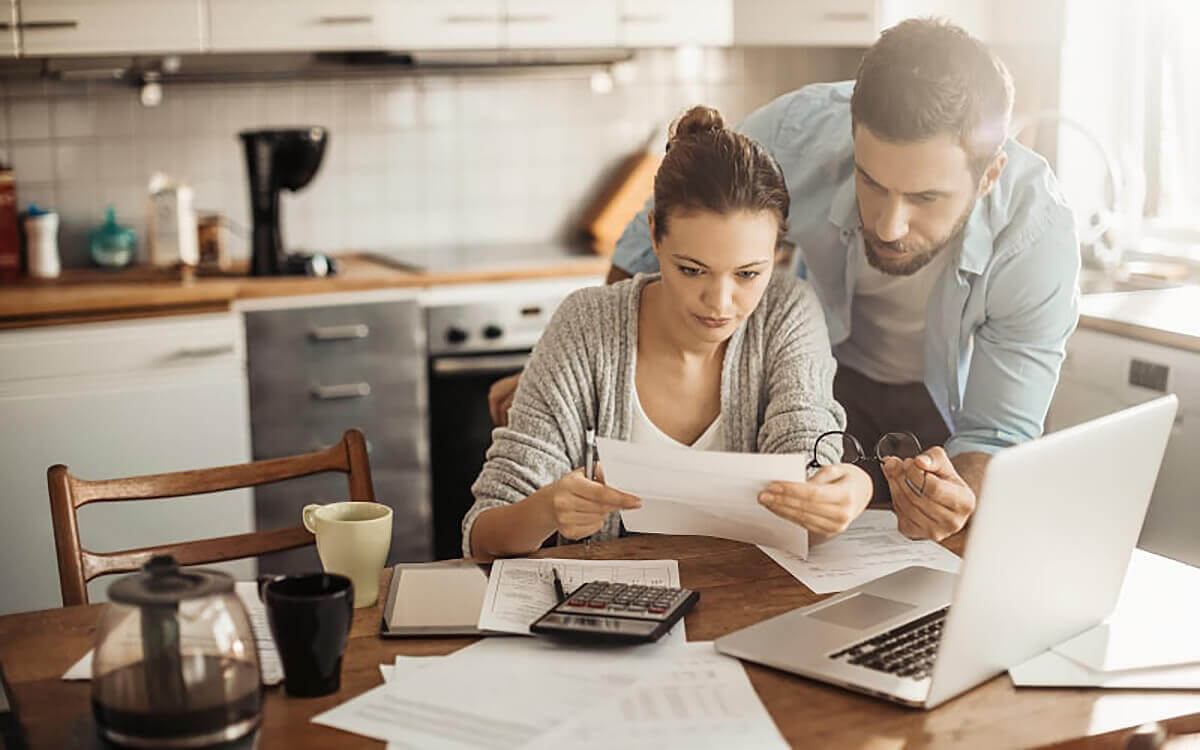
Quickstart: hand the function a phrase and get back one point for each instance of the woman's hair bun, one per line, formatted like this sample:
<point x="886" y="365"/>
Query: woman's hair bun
<point x="699" y="120"/>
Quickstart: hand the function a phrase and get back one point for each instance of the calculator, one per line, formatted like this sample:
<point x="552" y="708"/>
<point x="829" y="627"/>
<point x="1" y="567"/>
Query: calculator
<point x="616" y="612"/>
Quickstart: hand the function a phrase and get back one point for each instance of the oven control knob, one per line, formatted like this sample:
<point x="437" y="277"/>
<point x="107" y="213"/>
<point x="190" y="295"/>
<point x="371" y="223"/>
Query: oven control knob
<point x="455" y="335"/>
<point x="493" y="332"/>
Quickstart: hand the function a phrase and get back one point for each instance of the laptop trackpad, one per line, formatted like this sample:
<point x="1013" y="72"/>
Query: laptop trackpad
<point x="861" y="611"/>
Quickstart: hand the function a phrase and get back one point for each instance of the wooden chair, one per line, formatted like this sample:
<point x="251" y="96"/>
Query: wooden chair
<point x="77" y="566"/>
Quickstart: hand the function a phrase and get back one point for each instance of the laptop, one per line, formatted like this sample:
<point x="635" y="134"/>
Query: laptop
<point x="1055" y="526"/>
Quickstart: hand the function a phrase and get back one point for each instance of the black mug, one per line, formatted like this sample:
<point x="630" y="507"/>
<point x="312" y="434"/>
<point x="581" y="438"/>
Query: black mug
<point x="310" y="619"/>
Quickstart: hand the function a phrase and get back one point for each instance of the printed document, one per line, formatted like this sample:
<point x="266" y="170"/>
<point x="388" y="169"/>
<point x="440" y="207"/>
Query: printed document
<point x="498" y="693"/>
<point x="870" y="548"/>
<point x="708" y="493"/>
<point x="521" y="590"/>
<point x="699" y="699"/>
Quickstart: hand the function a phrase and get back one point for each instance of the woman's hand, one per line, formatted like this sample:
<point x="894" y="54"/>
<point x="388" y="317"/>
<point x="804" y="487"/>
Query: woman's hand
<point x="826" y="504"/>
<point x="580" y="505"/>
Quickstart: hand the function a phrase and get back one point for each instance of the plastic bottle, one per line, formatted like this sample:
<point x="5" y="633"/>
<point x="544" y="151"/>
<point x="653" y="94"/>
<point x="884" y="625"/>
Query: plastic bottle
<point x="110" y="244"/>
<point x="41" y="243"/>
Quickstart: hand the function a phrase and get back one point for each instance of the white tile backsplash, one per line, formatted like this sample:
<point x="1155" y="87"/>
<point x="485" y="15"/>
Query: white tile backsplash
<point x="413" y="160"/>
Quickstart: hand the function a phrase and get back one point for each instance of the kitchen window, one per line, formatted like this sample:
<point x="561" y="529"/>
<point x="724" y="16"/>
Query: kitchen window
<point x="1129" y="74"/>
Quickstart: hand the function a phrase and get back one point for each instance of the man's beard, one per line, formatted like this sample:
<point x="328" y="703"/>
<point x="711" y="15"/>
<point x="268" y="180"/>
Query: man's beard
<point x="915" y="256"/>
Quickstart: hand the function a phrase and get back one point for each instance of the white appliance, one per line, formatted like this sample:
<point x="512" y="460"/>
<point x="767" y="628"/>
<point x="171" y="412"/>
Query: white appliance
<point x="112" y="400"/>
<point x="1104" y="373"/>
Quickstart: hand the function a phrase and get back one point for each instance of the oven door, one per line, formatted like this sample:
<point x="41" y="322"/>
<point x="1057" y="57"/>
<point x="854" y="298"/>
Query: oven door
<point x="460" y="432"/>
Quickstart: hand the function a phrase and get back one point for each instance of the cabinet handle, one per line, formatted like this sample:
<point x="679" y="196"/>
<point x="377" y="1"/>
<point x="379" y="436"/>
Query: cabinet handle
<point x="479" y="365"/>
<point x="529" y="18"/>
<point x="341" y="390"/>
<point x="207" y="351"/>
<point x="471" y="19"/>
<point x="642" y="18"/>
<point x="339" y="333"/>
<point x="47" y="25"/>
<point x="847" y="15"/>
<point x="345" y="20"/>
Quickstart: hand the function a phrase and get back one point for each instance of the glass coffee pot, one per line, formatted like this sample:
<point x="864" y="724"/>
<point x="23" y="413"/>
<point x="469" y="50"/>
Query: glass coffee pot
<point x="176" y="664"/>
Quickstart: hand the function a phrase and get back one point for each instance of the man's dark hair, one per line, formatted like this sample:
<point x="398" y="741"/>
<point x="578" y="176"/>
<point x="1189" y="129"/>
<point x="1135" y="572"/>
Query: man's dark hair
<point x="925" y="76"/>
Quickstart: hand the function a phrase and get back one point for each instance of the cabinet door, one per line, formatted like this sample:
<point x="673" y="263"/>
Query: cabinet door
<point x="10" y="34"/>
<point x="552" y="23"/>
<point x="315" y="372"/>
<point x="103" y="428"/>
<point x="811" y="23"/>
<point x="445" y="24"/>
<point x="87" y="27"/>
<point x="669" y="23"/>
<point x="241" y="26"/>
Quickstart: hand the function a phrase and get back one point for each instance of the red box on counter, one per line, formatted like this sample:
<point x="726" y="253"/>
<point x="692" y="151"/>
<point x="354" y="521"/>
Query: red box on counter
<point x="10" y="238"/>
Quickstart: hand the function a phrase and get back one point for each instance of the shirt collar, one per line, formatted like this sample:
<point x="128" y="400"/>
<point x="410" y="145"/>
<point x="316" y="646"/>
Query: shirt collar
<point x="976" y="240"/>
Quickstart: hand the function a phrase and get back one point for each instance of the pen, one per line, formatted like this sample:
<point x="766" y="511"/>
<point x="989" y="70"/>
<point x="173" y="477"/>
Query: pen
<point x="589" y="454"/>
<point x="558" y="587"/>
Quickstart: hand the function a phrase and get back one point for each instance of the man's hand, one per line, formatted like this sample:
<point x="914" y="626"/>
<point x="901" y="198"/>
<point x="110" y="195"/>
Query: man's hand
<point x="931" y="500"/>
<point x="826" y="504"/>
<point x="500" y="398"/>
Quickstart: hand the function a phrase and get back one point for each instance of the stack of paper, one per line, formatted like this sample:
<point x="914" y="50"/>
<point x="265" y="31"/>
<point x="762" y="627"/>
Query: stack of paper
<point x="532" y="693"/>
<point x="1149" y="641"/>
<point x="871" y="548"/>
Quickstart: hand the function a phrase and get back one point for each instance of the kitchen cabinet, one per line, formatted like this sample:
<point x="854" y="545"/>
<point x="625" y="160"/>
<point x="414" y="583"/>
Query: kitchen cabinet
<point x="112" y="400"/>
<point x="278" y="25"/>
<point x="817" y="23"/>
<point x="87" y="27"/>
<point x="539" y="24"/>
<point x="10" y="35"/>
<point x="315" y="372"/>
<point x="670" y="23"/>
<point x="1020" y="22"/>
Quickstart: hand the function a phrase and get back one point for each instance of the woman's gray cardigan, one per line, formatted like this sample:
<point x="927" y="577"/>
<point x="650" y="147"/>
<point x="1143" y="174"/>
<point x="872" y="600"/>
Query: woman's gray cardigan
<point x="776" y="388"/>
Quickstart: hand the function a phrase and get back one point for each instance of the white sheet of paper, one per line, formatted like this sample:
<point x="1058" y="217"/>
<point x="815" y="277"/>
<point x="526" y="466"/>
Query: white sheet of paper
<point x="497" y="693"/>
<point x="1152" y="624"/>
<point x="870" y="548"/>
<point x="1050" y="669"/>
<point x="709" y="493"/>
<point x="700" y="699"/>
<point x="269" y="663"/>
<point x="521" y="590"/>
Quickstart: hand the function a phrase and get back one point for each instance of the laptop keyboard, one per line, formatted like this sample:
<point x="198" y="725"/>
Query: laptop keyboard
<point x="906" y="650"/>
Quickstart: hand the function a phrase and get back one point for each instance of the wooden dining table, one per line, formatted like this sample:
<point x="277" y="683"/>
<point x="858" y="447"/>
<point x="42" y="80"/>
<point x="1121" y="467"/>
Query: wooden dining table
<point x="739" y="586"/>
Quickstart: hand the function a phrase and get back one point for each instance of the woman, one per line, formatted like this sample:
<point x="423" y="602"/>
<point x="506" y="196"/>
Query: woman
<point x="712" y="353"/>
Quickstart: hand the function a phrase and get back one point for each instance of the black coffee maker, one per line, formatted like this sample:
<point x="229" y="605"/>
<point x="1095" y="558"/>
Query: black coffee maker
<point x="277" y="159"/>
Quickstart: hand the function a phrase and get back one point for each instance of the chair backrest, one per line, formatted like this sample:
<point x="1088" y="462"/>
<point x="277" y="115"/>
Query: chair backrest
<point x="77" y="566"/>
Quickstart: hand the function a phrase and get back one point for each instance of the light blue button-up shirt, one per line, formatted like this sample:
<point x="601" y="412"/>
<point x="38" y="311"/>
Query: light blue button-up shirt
<point x="998" y="318"/>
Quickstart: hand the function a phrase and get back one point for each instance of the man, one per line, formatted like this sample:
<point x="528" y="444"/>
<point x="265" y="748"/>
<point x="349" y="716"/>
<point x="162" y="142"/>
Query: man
<point x="943" y="253"/>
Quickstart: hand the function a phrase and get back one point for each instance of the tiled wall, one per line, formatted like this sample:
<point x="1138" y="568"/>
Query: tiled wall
<point x="413" y="160"/>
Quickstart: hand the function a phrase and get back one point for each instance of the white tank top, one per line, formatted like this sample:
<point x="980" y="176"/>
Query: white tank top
<point x="644" y="431"/>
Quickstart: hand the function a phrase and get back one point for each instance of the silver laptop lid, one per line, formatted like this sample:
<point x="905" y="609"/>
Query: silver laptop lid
<point x="1056" y="523"/>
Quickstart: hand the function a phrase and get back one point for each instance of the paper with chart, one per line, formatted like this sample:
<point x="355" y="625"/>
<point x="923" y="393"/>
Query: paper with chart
<point x="247" y="592"/>
<point x="521" y="590"/>
<point x="498" y="693"/>
<point x="700" y="699"/>
<point x="869" y="549"/>
<point x="707" y="493"/>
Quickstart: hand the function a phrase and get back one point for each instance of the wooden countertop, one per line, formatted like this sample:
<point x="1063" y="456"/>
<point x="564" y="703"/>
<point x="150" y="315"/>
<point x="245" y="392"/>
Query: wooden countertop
<point x="1169" y="317"/>
<point x="87" y="295"/>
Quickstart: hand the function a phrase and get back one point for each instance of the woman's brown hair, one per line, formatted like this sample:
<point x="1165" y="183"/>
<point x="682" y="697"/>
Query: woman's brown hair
<point x="709" y="167"/>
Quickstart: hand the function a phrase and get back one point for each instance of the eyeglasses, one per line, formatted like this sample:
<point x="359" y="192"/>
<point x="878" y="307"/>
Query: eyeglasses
<point x="898" y="444"/>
